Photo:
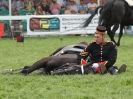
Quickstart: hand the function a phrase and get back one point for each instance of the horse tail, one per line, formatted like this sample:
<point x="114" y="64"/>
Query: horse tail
<point x="91" y="17"/>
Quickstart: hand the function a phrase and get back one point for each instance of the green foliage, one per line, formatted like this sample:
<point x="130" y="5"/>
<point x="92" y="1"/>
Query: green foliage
<point x="37" y="86"/>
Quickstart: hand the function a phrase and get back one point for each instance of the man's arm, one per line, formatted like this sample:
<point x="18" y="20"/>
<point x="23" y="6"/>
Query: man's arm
<point x="85" y="53"/>
<point x="112" y="57"/>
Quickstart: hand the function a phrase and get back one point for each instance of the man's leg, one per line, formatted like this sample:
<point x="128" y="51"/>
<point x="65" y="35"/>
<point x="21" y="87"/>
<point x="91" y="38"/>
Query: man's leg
<point x="114" y="70"/>
<point x="98" y="68"/>
<point x="68" y="68"/>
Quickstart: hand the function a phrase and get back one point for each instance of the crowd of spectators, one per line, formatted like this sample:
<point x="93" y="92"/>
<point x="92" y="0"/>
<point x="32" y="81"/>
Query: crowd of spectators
<point x="48" y="7"/>
<point x="52" y="7"/>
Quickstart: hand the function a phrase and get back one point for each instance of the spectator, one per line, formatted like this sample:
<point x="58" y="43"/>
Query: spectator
<point x="82" y="8"/>
<point x="67" y="10"/>
<point x="19" y="5"/>
<point x="55" y="7"/>
<point x="46" y="7"/>
<point x="73" y="6"/>
<point x="29" y="6"/>
<point x="39" y="10"/>
<point x="62" y="10"/>
<point x="91" y="6"/>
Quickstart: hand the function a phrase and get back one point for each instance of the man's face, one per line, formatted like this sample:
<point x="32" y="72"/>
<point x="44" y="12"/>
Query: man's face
<point x="99" y="38"/>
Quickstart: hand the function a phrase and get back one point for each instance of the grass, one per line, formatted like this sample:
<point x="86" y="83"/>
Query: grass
<point x="35" y="86"/>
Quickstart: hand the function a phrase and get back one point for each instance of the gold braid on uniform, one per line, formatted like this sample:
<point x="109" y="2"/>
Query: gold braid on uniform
<point x="83" y="53"/>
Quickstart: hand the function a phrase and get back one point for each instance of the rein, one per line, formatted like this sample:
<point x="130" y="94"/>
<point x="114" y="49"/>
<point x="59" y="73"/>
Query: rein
<point x="11" y="71"/>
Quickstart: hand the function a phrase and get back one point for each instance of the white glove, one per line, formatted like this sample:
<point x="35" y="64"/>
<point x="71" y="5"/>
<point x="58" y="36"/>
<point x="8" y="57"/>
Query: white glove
<point x="95" y="65"/>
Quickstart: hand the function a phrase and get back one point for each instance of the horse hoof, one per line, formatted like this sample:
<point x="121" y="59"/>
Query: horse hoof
<point x="24" y="71"/>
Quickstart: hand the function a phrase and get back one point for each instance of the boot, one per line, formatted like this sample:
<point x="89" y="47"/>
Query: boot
<point x="122" y="68"/>
<point x="113" y="70"/>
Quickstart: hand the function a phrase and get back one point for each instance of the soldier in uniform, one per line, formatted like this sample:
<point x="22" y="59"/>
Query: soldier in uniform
<point x="102" y="54"/>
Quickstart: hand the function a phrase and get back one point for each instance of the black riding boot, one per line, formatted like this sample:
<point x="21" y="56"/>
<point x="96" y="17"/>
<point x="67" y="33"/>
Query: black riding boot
<point x="113" y="70"/>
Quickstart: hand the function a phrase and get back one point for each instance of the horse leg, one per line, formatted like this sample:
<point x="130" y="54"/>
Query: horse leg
<point x="39" y="64"/>
<point x="115" y="27"/>
<point x="120" y="35"/>
<point x="111" y="34"/>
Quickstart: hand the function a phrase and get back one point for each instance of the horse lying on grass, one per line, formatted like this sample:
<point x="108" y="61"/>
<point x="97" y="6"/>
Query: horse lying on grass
<point x="61" y="57"/>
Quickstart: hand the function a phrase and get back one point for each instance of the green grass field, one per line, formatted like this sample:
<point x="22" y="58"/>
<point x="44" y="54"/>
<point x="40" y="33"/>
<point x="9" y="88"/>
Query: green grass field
<point x="35" y="86"/>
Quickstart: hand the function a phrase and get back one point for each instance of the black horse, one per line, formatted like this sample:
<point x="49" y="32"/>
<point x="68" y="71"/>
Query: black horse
<point x="116" y="13"/>
<point x="61" y="57"/>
